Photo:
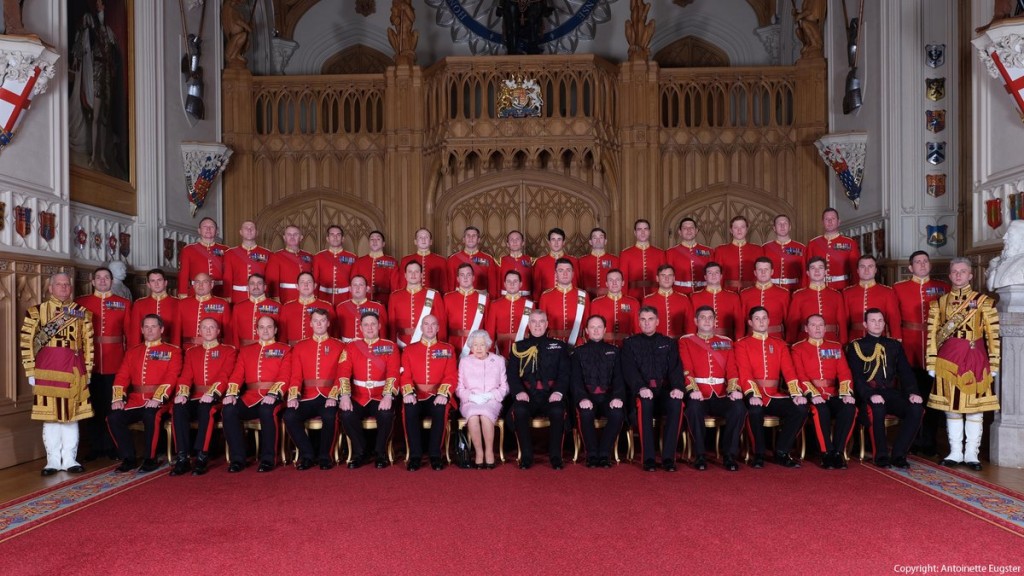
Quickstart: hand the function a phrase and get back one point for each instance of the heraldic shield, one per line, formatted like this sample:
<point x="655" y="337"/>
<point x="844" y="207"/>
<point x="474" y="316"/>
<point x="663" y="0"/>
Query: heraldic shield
<point x="935" y="120"/>
<point x="936" y="152"/>
<point x="937" y="235"/>
<point x="519" y="98"/>
<point x="935" y="185"/>
<point x="935" y="55"/>
<point x="994" y="212"/>
<point x="935" y="88"/>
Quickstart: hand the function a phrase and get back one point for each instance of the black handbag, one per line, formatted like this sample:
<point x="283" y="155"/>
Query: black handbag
<point x="463" y="450"/>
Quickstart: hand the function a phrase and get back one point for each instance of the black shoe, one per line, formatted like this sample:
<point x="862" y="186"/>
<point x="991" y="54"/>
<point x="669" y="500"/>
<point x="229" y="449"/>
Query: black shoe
<point x="149" y="465"/>
<point x="700" y="463"/>
<point x="490" y="465"/>
<point x="650" y="465"/>
<point x="976" y="466"/>
<point x="950" y="463"/>
<point x="265" y="467"/>
<point x="839" y="462"/>
<point x="828" y="461"/>
<point x="526" y="463"/>
<point x="900" y="462"/>
<point x="77" y="469"/>
<point x="235" y="467"/>
<point x="201" y="466"/>
<point x="604" y="462"/>
<point x="304" y="464"/>
<point x="181" y="467"/>
<point x="557" y="464"/>
<point x="49" y="471"/>
<point x="592" y="462"/>
<point x="883" y="462"/>
<point x="438" y="464"/>
<point x="785" y="460"/>
<point x="413" y="465"/>
<point x="758" y="461"/>
<point x="127" y="465"/>
<point x="326" y="463"/>
<point x="669" y="465"/>
<point x="357" y="461"/>
<point x="730" y="464"/>
<point x="381" y="463"/>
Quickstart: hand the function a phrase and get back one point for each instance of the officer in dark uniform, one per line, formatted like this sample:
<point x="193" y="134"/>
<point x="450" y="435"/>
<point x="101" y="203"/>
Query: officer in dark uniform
<point x="653" y="373"/>
<point x="885" y="384"/>
<point x="538" y="379"/>
<point x="597" y="392"/>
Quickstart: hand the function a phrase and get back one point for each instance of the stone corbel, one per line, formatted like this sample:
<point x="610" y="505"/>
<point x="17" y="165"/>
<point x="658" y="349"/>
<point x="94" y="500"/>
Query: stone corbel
<point x="1001" y="50"/>
<point x="26" y="67"/>
<point x="203" y="162"/>
<point x="844" y="153"/>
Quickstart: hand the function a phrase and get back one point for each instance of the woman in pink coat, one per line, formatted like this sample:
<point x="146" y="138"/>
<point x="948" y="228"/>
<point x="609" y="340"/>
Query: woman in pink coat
<point x="482" y="386"/>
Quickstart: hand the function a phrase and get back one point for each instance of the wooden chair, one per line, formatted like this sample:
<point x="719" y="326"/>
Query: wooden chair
<point x="370" y="423"/>
<point x="599" y="423"/>
<point x="168" y="427"/>
<point x="460" y="425"/>
<point x="773" y="422"/>
<point x="315" y="423"/>
<point x="716" y="423"/>
<point x="890" y="421"/>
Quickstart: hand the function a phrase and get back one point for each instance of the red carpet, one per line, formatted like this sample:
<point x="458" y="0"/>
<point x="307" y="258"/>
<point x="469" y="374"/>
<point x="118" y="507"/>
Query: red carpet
<point x="507" y="520"/>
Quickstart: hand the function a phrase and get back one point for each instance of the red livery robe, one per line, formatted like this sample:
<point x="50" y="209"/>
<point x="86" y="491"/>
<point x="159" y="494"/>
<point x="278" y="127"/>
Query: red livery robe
<point x="369" y="371"/>
<point x="544" y="271"/>
<point x="205" y="370"/>
<point x="710" y="367"/>
<point x="520" y="263"/>
<point x="197" y="258"/>
<point x="465" y="312"/>
<point x="774" y="299"/>
<point x="817" y="300"/>
<point x="675" y="314"/>
<point x="245" y="315"/>
<point x="193" y="310"/>
<point x="296" y="318"/>
<point x="485" y="271"/>
<point x="350" y="313"/>
<point x="621" y="315"/>
<point x="915" y="296"/>
<point x="567" y="309"/>
<point x="332" y="270"/>
<point x="841" y="254"/>
<point x="593" y="272"/>
<point x="688" y="262"/>
<point x="260" y="369"/>
<point x="149" y="372"/>
<point x="406" y="310"/>
<point x="240" y="263"/>
<point x="729" y="319"/>
<point x="379" y="271"/>
<point x="283" y="271"/>
<point x="111" y="321"/>
<point x="164" y="306"/>
<point x="507" y="321"/>
<point x="762" y="359"/>
<point x="789" y="262"/>
<point x="823" y="371"/>
<point x="639" y="264"/>
<point x="737" y="260"/>
<point x="435" y="271"/>
<point x="866" y="295"/>
<point x="429" y="368"/>
<point x="314" y="369"/>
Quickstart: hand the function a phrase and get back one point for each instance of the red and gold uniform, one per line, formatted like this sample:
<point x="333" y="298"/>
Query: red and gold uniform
<point x="111" y="322"/>
<point x="621" y="315"/>
<point x="261" y="369"/>
<point x="593" y="272"/>
<point x="245" y="315"/>
<point x="296" y="317"/>
<point x="429" y="369"/>
<point x="774" y="299"/>
<point x="737" y="260"/>
<point x="674" y="312"/>
<point x="240" y="263"/>
<point x="544" y="271"/>
<point x="485" y="271"/>
<point x="199" y="257"/>
<point x="465" y="311"/>
<point x="762" y="359"/>
<point x="823" y="371"/>
<point x="350" y="313"/>
<point x="789" y="262"/>
<point x="164" y="306"/>
<point x="567" y="309"/>
<point x="283" y="271"/>
<point x="520" y="263"/>
<point x="841" y="254"/>
<point x="964" y="352"/>
<point x="149" y="372"/>
<point x="915" y="297"/>
<point x="193" y="310"/>
<point x="867" y="295"/>
<point x="435" y="271"/>
<point x="314" y="383"/>
<point x="506" y="321"/>
<point x="332" y="270"/>
<point x="57" y="350"/>
<point x="205" y="370"/>
<point x="380" y="270"/>
<point x="639" y="264"/>
<point x="710" y="367"/>
<point x="688" y="262"/>
<point x="821" y="300"/>
<point x="368" y="372"/>
<point x="406" y="308"/>
<point x="729" y="318"/>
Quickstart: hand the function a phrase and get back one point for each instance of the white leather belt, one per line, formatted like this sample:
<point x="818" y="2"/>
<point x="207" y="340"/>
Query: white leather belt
<point x="836" y="278"/>
<point x="688" y="284"/>
<point x="238" y="288"/>
<point x="288" y="286"/>
<point x="334" y="290"/>
<point x="347" y="340"/>
<point x="370" y="383"/>
<point x="709" y="380"/>
<point x="521" y="292"/>
<point x="218" y="282"/>
<point x="786" y="281"/>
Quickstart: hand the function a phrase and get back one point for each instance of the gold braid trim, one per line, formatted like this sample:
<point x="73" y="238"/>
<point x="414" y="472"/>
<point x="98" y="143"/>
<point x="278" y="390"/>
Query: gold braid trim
<point x="874" y="362"/>
<point x="527" y="358"/>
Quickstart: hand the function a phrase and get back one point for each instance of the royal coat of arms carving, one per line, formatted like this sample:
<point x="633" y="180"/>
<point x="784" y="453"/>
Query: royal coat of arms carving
<point x="519" y="98"/>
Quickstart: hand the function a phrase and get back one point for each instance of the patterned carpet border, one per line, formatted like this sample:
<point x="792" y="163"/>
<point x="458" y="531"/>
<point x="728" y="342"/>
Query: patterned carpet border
<point x="990" y="502"/>
<point x="23" y="514"/>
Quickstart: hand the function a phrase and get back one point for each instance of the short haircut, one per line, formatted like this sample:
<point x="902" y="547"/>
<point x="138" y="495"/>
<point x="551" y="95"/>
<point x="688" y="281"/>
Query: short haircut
<point x="960" y="260"/>
<point x="712" y="264"/>
<point x="641" y="221"/>
<point x="764" y="260"/>
<point x="599" y="317"/>
<point x="339" y="228"/>
<point x="814" y="259"/>
<point x="258" y="275"/>
<point x="319" y="312"/>
<point x="417" y="263"/>
<point x="558" y="231"/>
<point x="685" y="220"/>
<point x="739" y="218"/>
<point x="514" y="273"/>
<point x="873" y="311"/>
<point x="704" y="308"/>
<point x="755" y="310"/>
<point x="919" y="253"/>
<point x="368" y="313"/>
<point x="650" y="309"/>
<point x="471" y="229"/>
<point x="379" y="233"/>
<point x="866" y="257"/>
<point x="664" y="267"/>
<point x="461" y="266"/>
<point x="561" y="261"/>
<point x="102" y="269"/>
<point x="480" y="334"/>
<point x="156" y="271"/>
<point x="159" y="320"/>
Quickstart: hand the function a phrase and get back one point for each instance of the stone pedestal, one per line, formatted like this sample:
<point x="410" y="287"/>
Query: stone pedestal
<point x="1007" y="432"/>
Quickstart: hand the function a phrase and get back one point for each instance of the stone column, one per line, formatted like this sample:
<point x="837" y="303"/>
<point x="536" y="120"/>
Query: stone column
<point x="1007" y="431"/>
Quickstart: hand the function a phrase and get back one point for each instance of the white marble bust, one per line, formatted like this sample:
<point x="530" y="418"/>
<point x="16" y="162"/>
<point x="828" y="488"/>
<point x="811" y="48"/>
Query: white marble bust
<point x="1007" y="269"/>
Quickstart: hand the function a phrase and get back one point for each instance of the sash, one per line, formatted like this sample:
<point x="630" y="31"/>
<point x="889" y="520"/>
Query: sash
<point x="51" y="329"/>
<point x="376" y="363"/>
<point x="524" y="320"/>
<point x="581" y="301"/>
<point x="481" y="302"/>
<point x="417" y="333"/>
<point x="958" y="319"/>
<point x="717" y="356"/>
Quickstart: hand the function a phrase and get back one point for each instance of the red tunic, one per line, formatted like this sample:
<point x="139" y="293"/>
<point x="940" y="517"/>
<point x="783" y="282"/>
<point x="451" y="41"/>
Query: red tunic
<point x="261" y="368"/>
<point x="688" y="262"/>
<point x="729" y="318"/>
<point x="332" y="270"/>
<point x="817" y="300"/>
<point x="675" y="314"/>
<point x="464" y="310"/>
<point x="789" y="262"/>
<point x="505" y="315"/>
<point x="429" y="369"/>
<point x="206" y="370"/>
<point x="563" y="307"/>
<point x="380" y="272"/>
<point x="369" y="370"/>
<point x="822" y="368"/>
<point x="296" y="319"/>
<point x="861" y="297"/>
<point x="915" y="296"/>
<point x="710" y="364"/>
<point x="621" y="315"/>
<point x="245" y="315"/>
<point x="192" y="311"/>
<point x="639" y="264"/>
<point x="350" y="314"/>
<point x="164" y="306"/>
<point x="283" y="271"/>
<point x="197" y="258"/>
<point x="111" y="323"/>
<point x="522" y="264"/>
<point x="737" y="262"/>
<point x="405" y="310"/>
<point x="149" y="372"/>
<point x="841" y="254"/>
<point x="774" y="299"/>
<point x="544" y="271"/>
<point x="594" y="272"/>
<point x="239" y="264"/>
<point x="485" y="271"/>
<point x="762" y="360"/>
<point x="314" y="366"/>
<point x="435" y="271"/>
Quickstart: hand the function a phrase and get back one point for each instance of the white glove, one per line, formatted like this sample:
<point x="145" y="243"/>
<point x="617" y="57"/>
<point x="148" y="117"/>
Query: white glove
<point x="931" y="373"/>
<point x="31" y="380"/>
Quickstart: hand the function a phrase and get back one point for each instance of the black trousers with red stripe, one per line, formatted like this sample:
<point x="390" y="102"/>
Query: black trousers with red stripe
<point x="897" y="405"/>
<point x="734" y="412"/>
<point x="119" y="420"/>
<point x="829" y="438"/>
<point x="353" y="423"/>
<point x="295" y="420"/>
<point x="588" y="431"/>
<point x="183" y="414"/>
<point x="270" y="430"/>
<point x="413" y="420"/>
<point x="524" y="412"/>
<point x="792" y="416"/>
<point x="660" y="405"/>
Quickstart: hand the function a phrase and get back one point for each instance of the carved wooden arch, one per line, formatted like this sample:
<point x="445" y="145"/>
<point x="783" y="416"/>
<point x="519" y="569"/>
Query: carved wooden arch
<point x="715" y="206"/>
<point x="287" y="14"/>
<point x="313" y="211"/>
<point x="357" y="59"/>
<point x="531" y="201"/>
<point x="691" y="52"/>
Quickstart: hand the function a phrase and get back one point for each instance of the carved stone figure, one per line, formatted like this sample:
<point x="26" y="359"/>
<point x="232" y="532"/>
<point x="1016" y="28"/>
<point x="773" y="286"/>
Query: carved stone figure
<point x="810" y="20"/>
<point x="523" y="24"/>
<point x="402" y="35"/>
<point x="236" y="31"/>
